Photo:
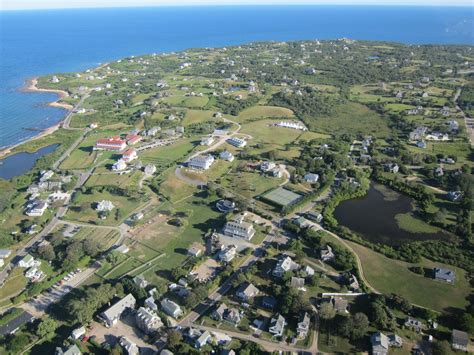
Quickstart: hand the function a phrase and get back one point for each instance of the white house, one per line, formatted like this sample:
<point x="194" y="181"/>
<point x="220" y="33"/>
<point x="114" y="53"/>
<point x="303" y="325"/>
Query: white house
<point x="292" y="125"/>
<point x="226" y="155"/>
<point x="150" y="169"/>
<point x="201" y="162"/>
<point x="207" y="140"/>
<point x="171" y="308"/>
<point x="239" y="228"/>
<point x="105" y="205"/>
<point x="37" y="208"/>
<point x="119" y="165"/>
<point x="237" y="142"/>
<point x="113" y="313"/>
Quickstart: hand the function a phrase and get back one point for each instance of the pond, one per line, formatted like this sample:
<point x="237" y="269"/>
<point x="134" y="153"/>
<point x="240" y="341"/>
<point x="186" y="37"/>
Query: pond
<point x="20" y="163"/>
<point x="374" y="217"/>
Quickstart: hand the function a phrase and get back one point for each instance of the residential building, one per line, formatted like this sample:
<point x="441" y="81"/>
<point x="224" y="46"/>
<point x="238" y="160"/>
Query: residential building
<point x="418" y="133"/>
<point x="225" y="206"/>
<point x="150" y="169"/>
<point x="148" y="321"/>
<point x="246" y="291"/>
<point x="114" y="143"/>
<point x="227" y="254"/>
<point x="27" y="261"/>
<point x="414" y="324"/>
<point x="314" y="216"/>
<point x="195" y="250"/>
<point x="129" y="155"/>
<point x="207" y="140"/>
<point x="113" y="313"/>
<point x="240" y="229"/>
<point x="202" y="339"/>
<point x="311" y="178"/>
<point x="308" y="270"/>
<point x="326" y="253"/>
<point x="237" y="142"/>
<point x="277" y="325"/>
<point x="78" y="333"/>
<point x="36" y="208"/>
<point x="171" y="308"/>
<point x="72" y="350"/>
<point x="339" y="304"/>
<point x="303" y="326"/>
<point x="233" y="316"/>
<point x="219" y="312"/>
<point x="104" y="205"/>
<point x="392" y="168"/>
<point x="226" y="155"/>
<point x="140" y="281"/>
<point x="201" y="162"/>
<point x="283" y="265"/>
<point x="133" y="139"/>
<point x="297" y="283"/>
<point x="267" y="166"/>
<point x="446" y="275"/>
<point x="292" y="125"/>
<point x="129" y="346"/>
<point x="379" y="342"/>
<point x="150" y="303"/>
<point x="459" y="340"/>
<point x="395" y="341"/>
<point x="119" y="165"/>
<point x="269" y="302"/>
<point x="5" y="253"/>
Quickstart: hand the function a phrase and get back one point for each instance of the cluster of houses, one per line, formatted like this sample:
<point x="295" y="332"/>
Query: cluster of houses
<point x="33" y="273"/>
<point x="270" y="168"/>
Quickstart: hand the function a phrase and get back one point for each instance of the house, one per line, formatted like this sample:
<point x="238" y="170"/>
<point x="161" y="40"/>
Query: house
<point x="267" y="166"/>
<point x="276" y="173"/>
<point x="130" y="347"/>
<point x="5" y="253"/>
<point x="277" y="325"/>
<point x="195" y="250"/>
<point x="153" y="131"/>
<point x="114" y="144"/>
<point x="150" y="169"/>
<point x="46" y="175"/>
<point x="122" y="249"/>
<point x="326" y="253"/>
<point x="452" y="196"/>
<point x="301" y="222"/>
<point x="104" y="205"/>
<point x="93" y="125"/>
<point x="227" y="254"/>
<point x="339" y="304"/>
<point x="421" y="144"/>
<point x="446" y="275"/>
<point x="269" y="302"/>
<point x="311" y="178"/>
<point x="239" y="229"/>
<point x="302" y="328"/>
<point x="148" y="321"/>
<point x="225" y="206"/>
<point x="292" y="125"/>
<point x="237" y="142"/>
<point x="314" y="216"/>
<point x="226" y="155"/>
<point x="133" y="139"/>
<point x="459" y="340"/>
<point x="129" y="155"/>
<point x="34" y="274"/>
<point x="219" y="312"/>
<point x="72" y="350"/>
<point x="308" y="270"/>
<point x="246" y="291"/>
<point x="27" y="261"/>
<point x="37" y="208"/>
<point x="395" y="341"/>
<point x="140" y="281"/>
<point x="418" y="133"/>
<point x="113" y="313"/>
<point x="201" y="162"/>
<point x="297" y="283"/>
<point x="202" y="339"/>
<point x="283" y="265"/>
<point x="16" y="323"/>
<point x="207" y="140"/>
<point x="78" y="333"/>
<point x="119" y="165"/>
<point x="438" y="171"/>
<point x="379" y="342"/>
<point x="414" y="324"/>
<point x="392" y="168"/>
<point x="150" y="303"/>
<point x="233" y="316"/>
<point x="171" y="308"/>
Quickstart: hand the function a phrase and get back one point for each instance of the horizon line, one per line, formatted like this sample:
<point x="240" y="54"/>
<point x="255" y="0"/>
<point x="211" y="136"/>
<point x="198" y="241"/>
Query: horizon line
<point x="459" y="5"/>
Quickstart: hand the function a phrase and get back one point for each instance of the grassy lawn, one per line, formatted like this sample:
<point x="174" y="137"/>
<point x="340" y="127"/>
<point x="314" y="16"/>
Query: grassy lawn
<point x="174" y="189"/>
<point x="249" y="184"/>
<point x="105" y="237"/>
<point x="410" y="223"/>
<point x="393" y="276"/>
<point x="351" y="118"/>
<point x="264" y="131"/>
<point x="83" y="208"/>
<point x="123" y="180"/>
<point x="197" y="116"/>
<point x="257" y="112"/>
<point x="15" y="283"/>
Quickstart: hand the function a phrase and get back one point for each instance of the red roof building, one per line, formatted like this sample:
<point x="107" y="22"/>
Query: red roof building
<point x="114" y="143"/>
<point x="133" y="138"/>
<point x="129" y="155"/>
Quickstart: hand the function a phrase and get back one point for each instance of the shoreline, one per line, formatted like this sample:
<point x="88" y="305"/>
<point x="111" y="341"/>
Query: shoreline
<point x="31" y="86"/>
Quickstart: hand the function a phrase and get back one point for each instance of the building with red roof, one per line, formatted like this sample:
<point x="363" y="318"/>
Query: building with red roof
<point x="133" y="139"/>
<point x="129" y="155"/>
<point x="113" y="143"/>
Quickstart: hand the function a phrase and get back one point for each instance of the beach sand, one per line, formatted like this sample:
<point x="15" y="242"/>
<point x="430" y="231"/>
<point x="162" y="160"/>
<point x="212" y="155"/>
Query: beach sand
<point x="31" y="86"/>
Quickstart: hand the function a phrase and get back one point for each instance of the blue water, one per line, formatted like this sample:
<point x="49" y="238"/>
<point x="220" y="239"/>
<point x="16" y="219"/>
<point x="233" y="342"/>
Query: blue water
<point x="19" y="163"/>
<point x="44" y="42"/>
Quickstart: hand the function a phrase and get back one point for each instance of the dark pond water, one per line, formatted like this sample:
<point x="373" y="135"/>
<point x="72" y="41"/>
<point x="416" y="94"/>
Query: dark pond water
<point x="373" y="217"/>
<point x="20" y="163"/>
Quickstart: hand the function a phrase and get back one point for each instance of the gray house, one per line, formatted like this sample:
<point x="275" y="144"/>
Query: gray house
<point x="379" y="342"/>
<point x="446" y="275"/>
<point x="277" y="325"/>
<point x="112" y="314"/>
<point x="459" y="340"/>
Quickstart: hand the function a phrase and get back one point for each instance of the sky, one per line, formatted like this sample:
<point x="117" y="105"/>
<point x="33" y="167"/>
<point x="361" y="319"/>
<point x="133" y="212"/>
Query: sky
<point x="56" y="4"/>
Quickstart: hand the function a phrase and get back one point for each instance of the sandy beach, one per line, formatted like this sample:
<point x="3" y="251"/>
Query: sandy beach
<point x="31" y="86"/>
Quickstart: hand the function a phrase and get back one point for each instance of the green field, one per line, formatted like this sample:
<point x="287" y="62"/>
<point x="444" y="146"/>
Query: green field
<point x="260" y="112"/>
<point x="393" y="276"/>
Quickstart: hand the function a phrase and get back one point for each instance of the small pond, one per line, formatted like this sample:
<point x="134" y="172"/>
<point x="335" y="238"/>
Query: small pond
<point x="20" y="163"/>
<point x="373" y="217"/>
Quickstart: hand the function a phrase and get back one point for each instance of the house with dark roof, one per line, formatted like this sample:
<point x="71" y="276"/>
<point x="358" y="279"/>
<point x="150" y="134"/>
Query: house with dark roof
<point x="12" y="326"/>
<point x="446" y="275"/>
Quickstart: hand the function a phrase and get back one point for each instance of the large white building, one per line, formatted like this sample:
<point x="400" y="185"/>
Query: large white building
<point x="292" y="125"/>
<point x="201" y="162"/>
<point x="112" y="314"/>
<point x="237" y="142"/>
<point x="148" y="321"/>
<point x="239" y="228"/>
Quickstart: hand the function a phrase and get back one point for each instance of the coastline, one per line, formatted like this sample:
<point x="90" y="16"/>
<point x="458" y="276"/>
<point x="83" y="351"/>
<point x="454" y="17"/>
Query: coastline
<point x="31" y="86"/>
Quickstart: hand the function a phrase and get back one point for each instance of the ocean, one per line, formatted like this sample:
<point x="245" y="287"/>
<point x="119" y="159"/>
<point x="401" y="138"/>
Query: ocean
<point x="34" y="43"/>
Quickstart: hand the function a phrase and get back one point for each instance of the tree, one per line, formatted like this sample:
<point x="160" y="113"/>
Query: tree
<point x="441" y="348"/>
<point x="18" y="343"/>
<point x="466" y="322"/>
<point x="116" y="350"/>
<point x="327" y="311"/>
<point x="46" y="252"/>
<point x="47" y="327"/>
<point x="174" y="338"/>
<point x="360" y="325"/>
